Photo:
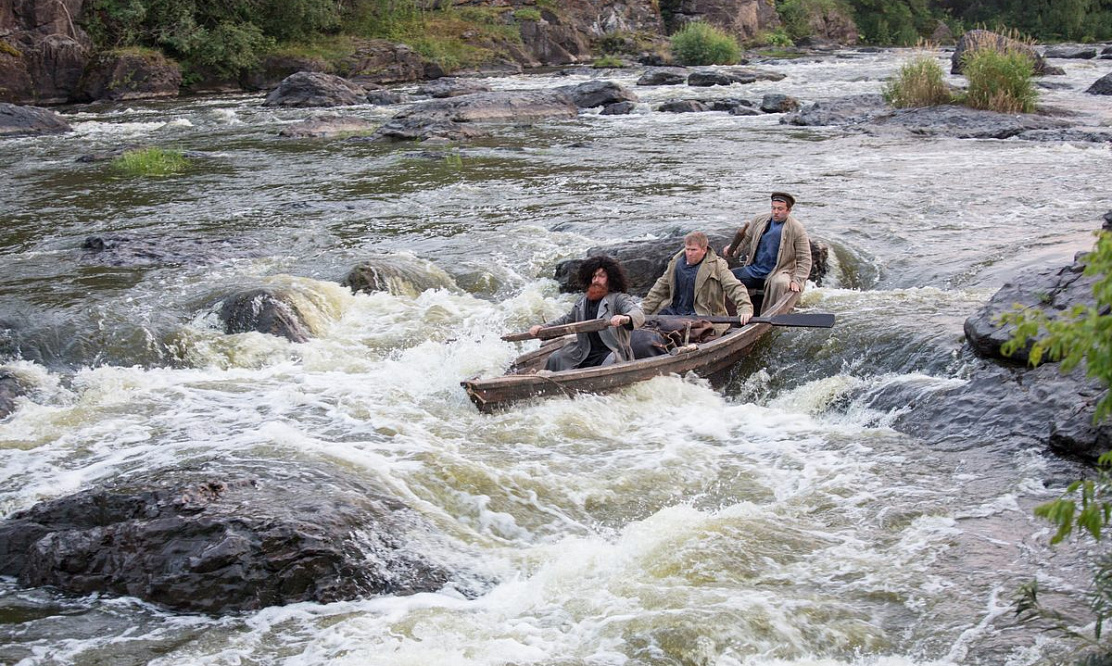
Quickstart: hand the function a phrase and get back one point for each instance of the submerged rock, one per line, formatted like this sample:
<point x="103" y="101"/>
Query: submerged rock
<point x="850" y="110"/>
<point x="1102" y="86"/>
<point x="225" y="541"/>
<point x="10" y="390"/>
<point x="663" y="76"/>
<point x="328" y="126"/>
<point x="455" y="117"/>
<point x="398" y="275"/>
<point x="269" y="311"/>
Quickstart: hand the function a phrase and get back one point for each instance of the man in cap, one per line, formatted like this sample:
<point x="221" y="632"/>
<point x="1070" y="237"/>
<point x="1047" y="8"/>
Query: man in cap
<point x="776" y="249"/>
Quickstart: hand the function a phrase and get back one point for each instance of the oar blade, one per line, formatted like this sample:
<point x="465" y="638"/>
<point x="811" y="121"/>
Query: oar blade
<point x="807" y="319"/>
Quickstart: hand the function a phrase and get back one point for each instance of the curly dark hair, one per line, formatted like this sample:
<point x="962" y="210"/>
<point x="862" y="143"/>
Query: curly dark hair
<point x="615" y="274"/>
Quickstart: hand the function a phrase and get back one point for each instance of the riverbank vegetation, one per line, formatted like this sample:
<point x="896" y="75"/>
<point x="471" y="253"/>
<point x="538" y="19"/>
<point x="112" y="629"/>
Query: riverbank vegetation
<point x="703" y="44"/>
<point x="229" y="38"/>
<point x="999" y="81"/>
<point x="1081" y="335"/>
<point x="918" y="83"/>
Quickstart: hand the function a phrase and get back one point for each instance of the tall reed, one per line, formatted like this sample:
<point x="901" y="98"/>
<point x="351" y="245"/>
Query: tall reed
<point x="918" y="83"/>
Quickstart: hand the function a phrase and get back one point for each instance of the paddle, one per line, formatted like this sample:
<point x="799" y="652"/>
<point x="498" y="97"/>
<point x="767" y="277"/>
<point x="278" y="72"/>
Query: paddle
<point x="813" y="320"/>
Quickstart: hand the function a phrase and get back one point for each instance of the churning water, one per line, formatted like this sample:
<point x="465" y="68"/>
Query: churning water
<point x="778" y="521"/>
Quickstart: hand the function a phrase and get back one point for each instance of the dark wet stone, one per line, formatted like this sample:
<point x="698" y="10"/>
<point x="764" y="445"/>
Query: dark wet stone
<point x="1070" y="134"/>
<point x="850" y="110"/>
<point x="705" y="79"/>
<point x="10" y="389"/>
<point x="226" y="541"/>
<point x="963" y="123"/>
<point x="1102" y="86"/>
<point x="663" y="77"/>
<point x="683" y="106"/>
<point x="396" y="274"/>
<point x="309" y="89"/>
<point x="386" y="97"/>
<point x="30" y="120"/>
<point x="126" y="75"/>
<point x="269" y="311"/>
<point x="598" y="93"/>
<point x="451" y="87"/>
<point x="777" y="103"/>
<point x="729" y="104"/>
<point x="1070" y="52"/>
<point x="165" y="250"/>
<point x="618" y="109"/>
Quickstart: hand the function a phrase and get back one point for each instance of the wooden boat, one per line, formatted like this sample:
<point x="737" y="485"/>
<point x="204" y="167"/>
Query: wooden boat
<point x="708" y="359"/>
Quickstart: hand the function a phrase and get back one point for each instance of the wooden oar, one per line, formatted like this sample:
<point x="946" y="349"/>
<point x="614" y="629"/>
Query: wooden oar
<point x="813" y="320"/>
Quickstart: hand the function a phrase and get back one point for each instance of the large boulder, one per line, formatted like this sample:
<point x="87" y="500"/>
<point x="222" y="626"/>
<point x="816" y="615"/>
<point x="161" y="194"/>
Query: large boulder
<point x="397" y="274"/>
<point x="43" y="51"/>
<point x="975" y="40"/>
<point x="30" y="120"/>
<point x="275" y="67"/>
<point x="455" y="117"/>
<point x="550" y="42"/>
<point x="1070" y="52"/>
<point x="1102" y="86"/>
<point x="378" y="61"/>
<point x="663" y="76"/>
<point x="129" y="75"/>
<point x="851" y="110"/>
<point x="226" y="541"/>
<point x="307" y="89"/>
<point x="598" y="93"/>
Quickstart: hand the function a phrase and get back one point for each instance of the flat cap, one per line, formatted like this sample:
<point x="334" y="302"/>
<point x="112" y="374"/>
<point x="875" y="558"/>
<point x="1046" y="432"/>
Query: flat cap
<point x="785" y="197"/>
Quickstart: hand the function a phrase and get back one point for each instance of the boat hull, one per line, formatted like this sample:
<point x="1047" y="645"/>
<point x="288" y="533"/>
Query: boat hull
<point x="706" y="360"/>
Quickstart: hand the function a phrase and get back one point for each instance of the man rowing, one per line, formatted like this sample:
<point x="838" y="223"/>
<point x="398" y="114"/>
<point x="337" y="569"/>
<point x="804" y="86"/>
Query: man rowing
<point x="696" y="283"/>
<point x="604" y="297"/>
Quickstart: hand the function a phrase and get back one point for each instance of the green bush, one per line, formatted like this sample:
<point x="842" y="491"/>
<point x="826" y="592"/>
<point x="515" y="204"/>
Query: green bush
<point x="703" y="44"/>
<point x="1000" y="80"/>
<point x="150" y="162"/>
<point x="528" y="14"/>
<point x="918" y="83"/>
<point x="608" y="61"/>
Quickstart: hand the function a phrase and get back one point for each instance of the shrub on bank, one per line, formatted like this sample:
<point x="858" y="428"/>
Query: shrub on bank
<point x="703" y="44"/>
<point x="150" y="162"/>
<point x="1000" y="80"/>
<point x="918" y="83"/>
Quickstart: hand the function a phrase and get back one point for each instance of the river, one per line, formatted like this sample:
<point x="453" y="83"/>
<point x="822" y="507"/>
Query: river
<point x="780" y="520"/>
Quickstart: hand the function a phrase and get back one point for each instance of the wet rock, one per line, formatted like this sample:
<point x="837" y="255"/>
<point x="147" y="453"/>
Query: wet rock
<point x="10" y="390"/>
<point x="264" y="310"/>
<point x="598" y="93"/>
<point x="398" y="275"/>
<point x="618" y="109"/>
<point x="129" y="75"/>
<point x="30" y="120"/>
<point x="1051" y="290"/>
<point x="743" y="110"/>
<point x="851" y="110"/>
<point x="226" y="541"/>
<point x="113" y="250"/>
<point x="1070" y="51"/>
<point x="645" y="261"/>
<point x="670" y="76"/>
<point x="1102" y="86"/>
<point x="985" y="39"/>
<point x="683" y="106"/>
<point x="706" y="79"/>
<point x="777" y="103"/>
<point x="962" y="122"/>
<point x="451" y="87"/>
<point x="386" y="97"/>
<point x="454" y="118"/>
<point x="274" y="68"/>
<point x="308" y="89"/>
<point x="1069" y="134"/>
<point x="327" y="127"/>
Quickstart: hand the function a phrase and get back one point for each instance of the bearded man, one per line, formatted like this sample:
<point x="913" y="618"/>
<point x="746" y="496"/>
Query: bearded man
<point x="604" y="298"/>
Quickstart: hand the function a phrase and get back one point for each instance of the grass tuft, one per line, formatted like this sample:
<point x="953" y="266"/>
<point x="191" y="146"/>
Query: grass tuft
<point x="150" y="162"/>
<point x="1000" y="80"/>
<point x="918" y="83"/>
<point x="700" y="43"/>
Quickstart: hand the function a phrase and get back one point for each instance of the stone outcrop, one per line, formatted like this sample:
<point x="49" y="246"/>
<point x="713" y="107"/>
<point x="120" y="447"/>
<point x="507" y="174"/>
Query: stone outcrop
<point x="663" y="76"/>
<point x="455" y="118"/>
<point x="984" y="39"/>
<point x="227" y="541"/>
<point x="128" y="75"/>
<point x="29" y="120"/>
<point x="598" y="93"/>
<point x="742" y="18"/>
<point x="1070" y="52"/>
<point x="269" y="311"/>
<point x="378" y="61"/>
<point x="308" y="89"/>
<point x="397" y="274"/>
<point x="43" y="50"/>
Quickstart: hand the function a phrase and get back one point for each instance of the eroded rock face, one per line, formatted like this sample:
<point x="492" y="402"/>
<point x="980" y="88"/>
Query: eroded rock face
<point x="306" y="89"/>
<point x="743" y="18"/>
<point x="121" y="76"/>
<point x="225" y="541"/>
<point x="29" y="120"/>
<point x="44" y="51"/>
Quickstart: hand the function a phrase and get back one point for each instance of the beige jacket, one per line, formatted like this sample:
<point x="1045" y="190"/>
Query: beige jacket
<point x="713" y="283"/>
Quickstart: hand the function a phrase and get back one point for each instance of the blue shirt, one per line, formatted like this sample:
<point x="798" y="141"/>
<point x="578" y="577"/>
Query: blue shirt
<point x="683" y="301"/>
<point x="768" y="250"/>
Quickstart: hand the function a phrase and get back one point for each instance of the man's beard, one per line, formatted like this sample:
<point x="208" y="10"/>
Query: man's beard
<point x="596" y="291"/>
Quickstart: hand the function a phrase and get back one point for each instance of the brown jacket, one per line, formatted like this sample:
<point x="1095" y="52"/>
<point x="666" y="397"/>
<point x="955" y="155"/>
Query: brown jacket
<point x="713" y="283"/>
<point x="794" y="257"/>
